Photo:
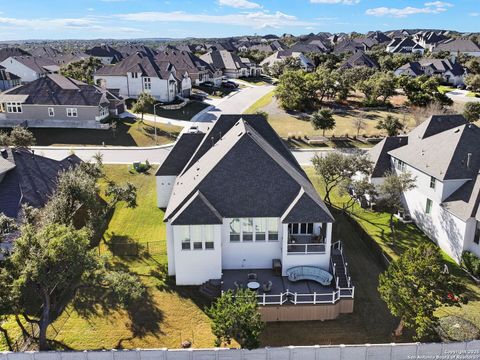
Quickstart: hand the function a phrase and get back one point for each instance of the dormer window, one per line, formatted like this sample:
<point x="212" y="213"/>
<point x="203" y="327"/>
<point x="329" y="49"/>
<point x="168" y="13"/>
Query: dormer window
<point x="134" y="75"/>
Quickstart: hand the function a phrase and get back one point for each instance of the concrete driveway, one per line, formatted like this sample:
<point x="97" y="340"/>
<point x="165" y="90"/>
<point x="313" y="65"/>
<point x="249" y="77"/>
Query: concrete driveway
<point x="236" y="103"/>
<point x="460" y="96"/>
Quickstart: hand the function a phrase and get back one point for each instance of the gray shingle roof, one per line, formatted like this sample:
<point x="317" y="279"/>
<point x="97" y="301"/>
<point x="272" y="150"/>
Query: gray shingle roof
<point x="444" y="155"/>
<point x="464" y="203"/>
<point x="359" y="59"/>
<point x="457" y="45"/>
<point x="222" y="59"/>
<point x="244" y="175"/>
<point x="7" y="52"/>
<point x="137" y="62"/>
<point x="197" y="211"/>
<point x="380" y="157"/>
<point x="32" y="180"/>
<point x="38" y="64"/>
<point x="55" y="89"/>
<point x="181" y="153"/>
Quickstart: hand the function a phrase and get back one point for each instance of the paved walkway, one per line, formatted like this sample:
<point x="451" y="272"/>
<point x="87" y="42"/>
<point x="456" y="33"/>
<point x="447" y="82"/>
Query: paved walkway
<point x="460" y="96"/>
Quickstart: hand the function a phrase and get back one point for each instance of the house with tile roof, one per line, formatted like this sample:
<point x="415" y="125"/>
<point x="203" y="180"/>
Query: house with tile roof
<point x="443" y="155"/>
<point x="58" y="101"/>
<point x="237" y="201"/>
<point x="450" y="72"/>
<point x="30" y="68"/>
<point x="140" y="73"/>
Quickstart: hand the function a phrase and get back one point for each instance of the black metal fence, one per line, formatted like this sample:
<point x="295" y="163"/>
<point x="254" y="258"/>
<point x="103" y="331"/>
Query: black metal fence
<point x="135" y="249"/>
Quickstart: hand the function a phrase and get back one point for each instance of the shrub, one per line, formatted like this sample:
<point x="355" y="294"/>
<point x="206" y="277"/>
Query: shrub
<point x="471" y="262"/>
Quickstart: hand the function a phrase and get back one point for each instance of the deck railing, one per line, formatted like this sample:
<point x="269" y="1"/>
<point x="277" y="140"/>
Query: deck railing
<point x="312" y="299"/>
<point x="299" y="249"/>
<point x="349" y="291"/>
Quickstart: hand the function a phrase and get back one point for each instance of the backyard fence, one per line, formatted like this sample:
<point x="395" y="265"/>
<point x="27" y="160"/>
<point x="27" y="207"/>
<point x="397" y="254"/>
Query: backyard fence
<point x="134" y="248"/>
<point x="461" y="351"/>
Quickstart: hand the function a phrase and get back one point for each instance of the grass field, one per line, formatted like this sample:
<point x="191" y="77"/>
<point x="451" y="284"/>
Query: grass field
<point x="289" y="125"/>
<point x="126" y="133"/>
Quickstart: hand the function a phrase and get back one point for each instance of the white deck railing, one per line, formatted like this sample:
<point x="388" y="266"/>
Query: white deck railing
<point x="312" y="299"/>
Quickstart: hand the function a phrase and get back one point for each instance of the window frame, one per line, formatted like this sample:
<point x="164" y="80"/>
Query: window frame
<point x="72" y="112"/>
<point x="428" y="206"/>
<point x="51" y="111"/>
<point x="270" y="221"/>
<point x="433" y="183"/>
<point x="235" y="234"/>
<point x="11" y="105"/>
<point x="147" y="83"/>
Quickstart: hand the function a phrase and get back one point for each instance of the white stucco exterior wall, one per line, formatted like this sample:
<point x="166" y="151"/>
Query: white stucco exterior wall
<point x="15" y="67"/>
<point x="164" y="190"/>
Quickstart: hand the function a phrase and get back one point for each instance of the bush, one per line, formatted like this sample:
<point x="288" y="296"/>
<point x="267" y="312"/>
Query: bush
<point x="140" y="167"/>
<point x="454" y="328"/>
<point x="472" y="263"/>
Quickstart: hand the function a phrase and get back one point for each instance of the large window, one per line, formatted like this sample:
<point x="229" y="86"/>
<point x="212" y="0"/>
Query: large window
<point x="301" y="229"/>
<point x="235" y="230"/>
<point x="72" y="112"/>
<point x="14" y="107"/>
<point x="147" y="83"/>
<point x="197" y="237"/>
<point x="399" y="164"/>
<point x="272" y="229"/>
<point x="260" y="229"/>
<point x="247" y="229"/>
<point x="428" y="206"/>
<point x="476" y="239"/>
<point x="103" y="111"/>
<point x="184" y="233"/>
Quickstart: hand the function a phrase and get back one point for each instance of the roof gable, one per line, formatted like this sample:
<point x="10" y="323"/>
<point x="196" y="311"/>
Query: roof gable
<point x="197" y="211"/>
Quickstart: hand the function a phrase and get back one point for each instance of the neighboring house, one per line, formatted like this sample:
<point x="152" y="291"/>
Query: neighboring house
<point x="185" y="62"/>
<point x="7" y="52"/>
<point x="450" y="72"/>
<point x="278" y="56"/>
<point x="315" y="47"/>
<point x="127" y="50"/>
<point x="428" y="39"/>
<point x="105" y="53"/>
<point x="458" y="46"/>
<point x="45" y="51"/>
<point x="229" y="63"/>
<point x="443" y="155"/>
<point x="141" y="73"/>
<point x="57" y="101"/>
<point x="349" y="46"/>
<point x="69" y="57"/>
<point x="8" y="80"/>
<point x="30" y="68"/>
<point x="236" y="202"/>
<point x="28" y="179"/>
<point x="379" y="37"/>
<point x="359" y="59"/>
<point x="405" y="46"/>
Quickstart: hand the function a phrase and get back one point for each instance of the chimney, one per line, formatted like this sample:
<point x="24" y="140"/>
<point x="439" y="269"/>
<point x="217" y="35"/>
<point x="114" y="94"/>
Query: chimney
<point x="469" y="160"/>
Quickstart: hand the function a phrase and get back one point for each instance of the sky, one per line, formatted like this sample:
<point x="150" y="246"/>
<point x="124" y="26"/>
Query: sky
<point x="127" y="19"/>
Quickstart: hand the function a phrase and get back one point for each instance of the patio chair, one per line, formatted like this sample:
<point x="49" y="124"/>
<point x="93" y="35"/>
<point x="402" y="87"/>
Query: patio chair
<point x="267" y="287"/>
<point x="238" y="285"/>
<point x="252" y="276"/>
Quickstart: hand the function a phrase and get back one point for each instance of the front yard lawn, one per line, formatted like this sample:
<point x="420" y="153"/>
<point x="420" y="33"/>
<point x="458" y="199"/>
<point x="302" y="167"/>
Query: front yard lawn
<point x="445" y="89"/>
<point x="128" y="132"/>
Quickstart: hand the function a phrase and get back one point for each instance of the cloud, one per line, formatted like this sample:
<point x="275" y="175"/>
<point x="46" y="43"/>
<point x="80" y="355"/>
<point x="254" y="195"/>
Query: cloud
<point x="435" y="7"/>
<point x="474" y="14"/>
<point x="257" y="20"/>
<point x="345" y="2"/>
<point x="240" y="4"/>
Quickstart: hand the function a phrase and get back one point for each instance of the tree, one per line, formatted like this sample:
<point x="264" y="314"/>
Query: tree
<point x="471" y="111"/>
<point x="360" y="124"/>
<point x="291" y="90"/>
<point x="334" y="168"/>
<point x="235" y="316"/>
<point x="391" y="125"/>
<point x="19" y="137"/>
<point x="7" y="225"/>
<point x="380" y="85"/>
<point x="50" y="264"/>
<point x="415" y="285"/>
<point x="323" y="119"/>
<point x="280" y="67"/>
<point x="82" y="70"/>
<point x="473" y="66"/>
<point x="358" y="190"/>
<point x="423" y="90"/>
<point x="116" y="193"/>
<point x="143" y="104"/>
<point x="392" y="190"/>
<point x="473" y="81"/>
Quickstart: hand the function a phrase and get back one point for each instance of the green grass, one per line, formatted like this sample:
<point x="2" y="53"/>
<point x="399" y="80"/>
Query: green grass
<point x="473" y="94"/>
<point x="376" y="224"/>
<point x="261" y="103"/>
<point x="126" y="133"/>
<point x="443" y="89"/>
<point x="168" y="315"/>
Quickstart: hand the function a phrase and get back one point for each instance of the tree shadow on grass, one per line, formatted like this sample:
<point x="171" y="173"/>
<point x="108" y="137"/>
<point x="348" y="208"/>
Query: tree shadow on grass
<point x="125" y="248"/>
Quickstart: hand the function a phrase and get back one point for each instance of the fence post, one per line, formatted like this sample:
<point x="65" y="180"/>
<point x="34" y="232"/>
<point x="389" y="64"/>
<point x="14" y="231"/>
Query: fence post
<point x="138" y="249"/>
<point x="148" y="248"/>
<point x="314" y="298"/>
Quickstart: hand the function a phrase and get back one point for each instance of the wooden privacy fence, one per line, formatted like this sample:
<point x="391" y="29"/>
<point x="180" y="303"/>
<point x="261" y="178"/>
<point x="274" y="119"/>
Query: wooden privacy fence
<point x="133" y="248"/>
<point x="461" y="350"/>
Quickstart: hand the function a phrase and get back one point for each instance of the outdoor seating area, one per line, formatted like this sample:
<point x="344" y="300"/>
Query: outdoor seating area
<point x="274" y="289"/>
<point x="312" y="273"/>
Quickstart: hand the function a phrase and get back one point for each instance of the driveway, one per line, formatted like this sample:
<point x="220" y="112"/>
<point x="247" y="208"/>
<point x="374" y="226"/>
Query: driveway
<point x="236" y="103"/>
<point x="460" y="96"/>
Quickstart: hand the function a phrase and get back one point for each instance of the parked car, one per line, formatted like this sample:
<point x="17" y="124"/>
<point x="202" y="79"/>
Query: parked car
<point x="229" y="84"/>
<point x="208" y="84"/>
<point x="461" y="87"/>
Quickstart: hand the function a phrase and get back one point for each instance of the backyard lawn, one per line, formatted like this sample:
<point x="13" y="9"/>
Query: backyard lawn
<point x="376" y="224"/>
<point x="288" y="125"/>
<point x="127" y="133"/>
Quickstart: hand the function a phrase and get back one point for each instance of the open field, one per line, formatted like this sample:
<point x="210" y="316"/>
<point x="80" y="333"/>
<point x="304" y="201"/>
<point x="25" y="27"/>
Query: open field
<point x="127" y="133"/>
<point x="290" y="125"/>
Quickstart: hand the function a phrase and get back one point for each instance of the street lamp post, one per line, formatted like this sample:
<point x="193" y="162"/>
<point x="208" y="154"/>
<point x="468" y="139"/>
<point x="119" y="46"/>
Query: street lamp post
<point x="155" y="121"/>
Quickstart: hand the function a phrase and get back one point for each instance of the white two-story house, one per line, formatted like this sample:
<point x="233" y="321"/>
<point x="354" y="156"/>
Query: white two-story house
<point x="141" y="73"/>
<point x="238" y="202"/>
<point x="443" y="155"/>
